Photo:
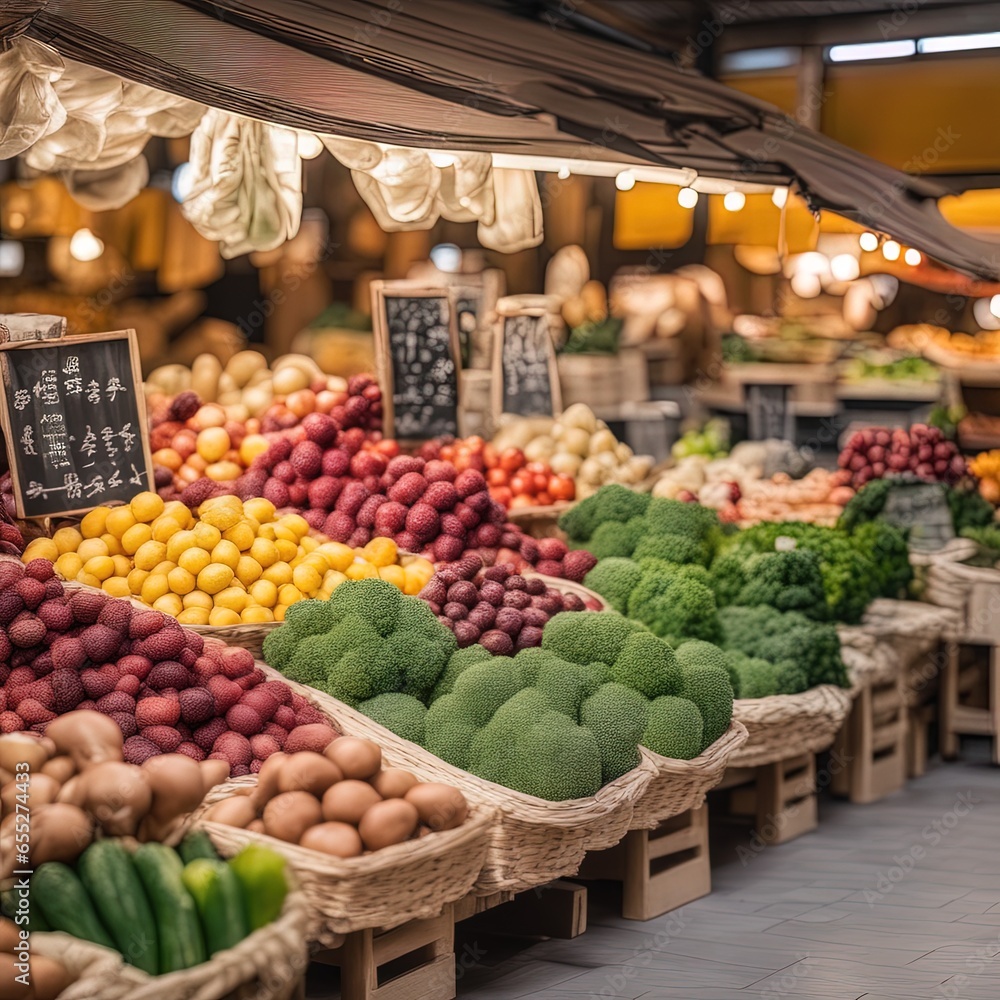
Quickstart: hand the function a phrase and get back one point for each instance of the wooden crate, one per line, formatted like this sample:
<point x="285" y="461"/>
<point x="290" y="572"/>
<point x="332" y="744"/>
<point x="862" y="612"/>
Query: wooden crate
<point x="557" y="909"/>
<point x="873" y="744"/>
<point x="779" y="798"/>
<point x="660" y="870"/>
<point x="970" y="699"/>
<point x="920" y="718"/>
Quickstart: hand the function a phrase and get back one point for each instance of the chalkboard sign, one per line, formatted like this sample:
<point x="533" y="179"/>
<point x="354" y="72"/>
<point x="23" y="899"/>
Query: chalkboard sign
<point x="922" y="510"/>
<point x="768" y="413"/>
<point x="525" y="377"/>
<point x="74" y="419"/>
<point x="418" y="357"/>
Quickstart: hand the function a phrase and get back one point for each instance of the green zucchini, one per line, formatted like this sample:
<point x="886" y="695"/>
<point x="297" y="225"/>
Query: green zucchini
<point x="219" y="897"/>
<point x="181" y="942"/>
<point x="65" y="905"/>
<point x="197" y="844"/>
<point x="107" y="873"/>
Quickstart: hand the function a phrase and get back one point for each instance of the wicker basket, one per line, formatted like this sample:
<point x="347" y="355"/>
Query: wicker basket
<point x="533" y="840"/>
<point x="786" y="725"/>
<point x="569" y="587"/>
<point x="267" y="965"/>
<point x="972" y="591"/>
<point x="540" y="522"/>
<point x="680" y="785"/>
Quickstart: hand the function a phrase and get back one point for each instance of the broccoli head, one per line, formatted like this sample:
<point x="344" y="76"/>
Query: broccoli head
<point x="309" y="618"/>
<point x="788" y="581"/>
<point x="420" y="659"/>
<point x="674" y="728"/>
<point x="492" y="751"/>
<point x="761" y="678"/>
<point x="449" y="731"/>
<point x="457" y="662"/>
<point x="279" y="648"/>
<point x="680" y="549"/>
<point x="401" y="714"/>
<point x="614" y="579"/>
<point x="616" y="539"/>
<point x="375" y="600"/>
<point x="887" y="547"/>
<point x="484" y="687"/>
<point x="647" y="665"/>
<point x="557" y="760"/>
<point x="363" y="672"/>
<point x="610" y="503"/>
<point x="566" y="684"/>
<point x="696" y="651"/>
<point x="729" y="577"/>
<point x="616" y="715"/>
<point x="316" y="658"/>
<point x="675" y="605"/>
<point x="707" y="685"/>
<point x="674" y="517"/>
<point x="584" y="638"/>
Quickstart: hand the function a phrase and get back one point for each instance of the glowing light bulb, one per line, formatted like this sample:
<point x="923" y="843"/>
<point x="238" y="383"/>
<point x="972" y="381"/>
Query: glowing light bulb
<point x="912" y="257"/>
<point x="890" y="250"/>
<point x="995" y="306"/>
<point x="845" y="267"/>
<point x="563" y="172"/>
<point x="734" y="201"/>
<point x="625" y="181"/>
<point x="868" y="241"/>
<point x="687" y="197"/>
<point x="85" y="246"/>
<point x="442" y="159"/>
<point x="182" y="182"/>
<point x="779" y="196"/>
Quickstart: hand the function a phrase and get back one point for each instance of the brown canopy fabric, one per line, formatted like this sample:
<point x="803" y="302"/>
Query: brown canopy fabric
<point x="447" y="74"/>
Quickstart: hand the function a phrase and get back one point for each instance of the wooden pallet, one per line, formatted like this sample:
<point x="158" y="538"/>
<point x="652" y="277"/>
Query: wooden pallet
<point x="780" y="797"/>
<point x="970" y="699"/>
<point x="872" y="743"/>
<point x="660" y="870"/>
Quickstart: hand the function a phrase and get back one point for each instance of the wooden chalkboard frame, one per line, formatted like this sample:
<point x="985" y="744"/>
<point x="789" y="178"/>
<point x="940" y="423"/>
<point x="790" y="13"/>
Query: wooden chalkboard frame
<point x="382" y="290"/>
<point x="487" y="287"/>
<point x="7" y="424"/>
<point x="509" y="308"/>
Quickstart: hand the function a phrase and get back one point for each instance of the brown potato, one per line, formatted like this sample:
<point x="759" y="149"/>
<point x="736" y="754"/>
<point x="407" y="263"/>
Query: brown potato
<point x="48" y="977"/>
<point x="441" y="807"/>
<point x="61" y="768"/>
<point x="339" y="839"/>
<point x="257" y="826"/>
<point x="175" y="781"/>
<point x="288" y="815"/>
<point x="267" y="779"/>
<point x="118" y="795"/>
<point x="9" y="971"/>
<point x="347" y="801"/>
<point x="393" y="782"/>
<point x="307" y="771"/>
<point x="213" y="772"/>
<point x="356" y="758"/>
<point x="25" y="748"/>
<point x="87" y="736"/>
<point x="236" y="811"/>
<point x="387" y="823"/>
<point x="38" y="790"/>
<point x="59" y="832"/>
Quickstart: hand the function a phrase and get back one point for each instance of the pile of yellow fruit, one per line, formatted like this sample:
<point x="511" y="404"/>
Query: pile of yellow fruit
<point x="986" y="465"/>
<point x="236" y="562"/>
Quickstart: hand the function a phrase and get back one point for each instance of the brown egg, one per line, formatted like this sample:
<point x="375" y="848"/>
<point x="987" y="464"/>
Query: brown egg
<point x="307" y="771"/>
<point x="355" y="757"/>
<point x="393" y="782"/>
<point x="339" y="839"/>
<point x="48" y="977"/>
<point x="267" y="779"/>
<point x="10" y="936"/>
<point x="386" y="823"/>
<point x="60" y="768"/>
<point x="440" y="807"/>
<point x="235" y="811"/>
<point x="347" y="801"/>
<point x="257" y="826"/>
<point x="288" y="815"/>
<point x="14" y="989"/>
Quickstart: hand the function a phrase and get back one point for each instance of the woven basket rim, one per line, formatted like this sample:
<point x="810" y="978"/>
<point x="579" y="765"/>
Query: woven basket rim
<point x="714" y="754"/>
<point x="805" y="704"/>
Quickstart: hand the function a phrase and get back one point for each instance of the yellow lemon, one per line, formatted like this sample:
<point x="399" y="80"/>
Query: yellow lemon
<point x="154" y="587"/>
<point x="256" y="616"/>
<point x="248" y="570"/>
<point x="259" y="508"/>
<point x="113" y="543"/>
<point x="222" y="517"/>
<point x="333" y="579"/>
<point x="164" y="567"/>
<point x="198" y="599"/>
<point x="146" y="506"/>
<point x="338" y="555"/>
<point x="215" y="577"/>
<point x="100" y="566"/>
<point x="68" y="565"/>
<point x="286" y="550"/>
<point x="307" y="579"/>
<point x="226" y="553"/>
<point x="252" y="446"/>
<point x="308" y="544"/>
<point x="394" y="575"/>
<point x="181" y="581"/>
<point x="116" y="586"/>
<point x="123" y="565"/>
<point x="223" y="616"/>
<point x="212" y="443"/>
<point x="266" y="531"/>
<point x="317" y="562"/>
<point x="380" y="552"/>
<point x="361" y="571"/>
<point x="179" y="542"/>
<point x="149" y="554"/>
<point x="136" y="536"/>
<point x="169" y="604"/>
<point x="265" y="552"/>
<point x="282" y="531"/>
<point x="89" y="548"/>
<point x="67" y="540"/>
<point x="232" y="597"/>
<point x="93" y="523"/>
<point x="41" y="548"/>
<point x="264" y="593"/>
<point x="416" y="578"/>
<point x="164" y="528"/>
<point x="207" y="535"/>
<point x="279" y="574"/>
<point x="194" y="559"/>
<point x="279" y="612"/>
<point x="194" y="616"/>
<point x="240" y="534"/>
<point x="119" y="520"/>
<point x="136" y="579"/>
<point x="88" y="579"/>
<point x="297" y="523"/>
<point x="180" y="512"/>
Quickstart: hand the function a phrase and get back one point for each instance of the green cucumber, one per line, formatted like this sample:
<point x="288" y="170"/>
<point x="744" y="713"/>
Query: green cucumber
<point x="107" y="873"/>
<point x="219" y="897"/>
<point x="65" y="905"/>
<point x="261" y="872"/>
<point x="181" y="943"/>
<point x="197" y="844"/>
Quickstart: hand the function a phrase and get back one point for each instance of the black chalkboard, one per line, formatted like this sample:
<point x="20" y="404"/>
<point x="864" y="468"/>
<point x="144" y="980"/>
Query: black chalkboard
<point x="524" y="372"/>
<point x="74" y="419"/>
<point x="417" y="348"/>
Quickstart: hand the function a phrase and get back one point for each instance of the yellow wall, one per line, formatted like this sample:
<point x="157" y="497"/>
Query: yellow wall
<point x="775" y="88"/>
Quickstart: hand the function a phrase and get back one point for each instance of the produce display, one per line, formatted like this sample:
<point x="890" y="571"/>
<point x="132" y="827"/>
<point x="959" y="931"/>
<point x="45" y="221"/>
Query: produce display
<point x="969" y="509"/>
<point x="48" y="976"/>
<point x="496" y="606"/>
<point x="341" y="801"/>
<point x="161" y="909"/>
<point x="578" y="445"/>
<point x="986" y="468"/>
<point x="889" y="366"/>
<point x="231" y="562"/>
<point x="711" y="441"/>
<point x="921" y="451"/>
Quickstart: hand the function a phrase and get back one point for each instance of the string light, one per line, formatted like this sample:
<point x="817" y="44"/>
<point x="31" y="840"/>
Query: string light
<point x="845" y="267"/>
<point x="912" y="257"/>
<point x="85" y="246"/>
<point x="779" y="196"/>
<point x="687" y="197"/>
<point x="563" y="172"/>
<point x="625" y="181"/>
<point x="868" y="241"/>
<point x="309" y="145"/>
<point x="734" y="201"/>
<point x="442" y="159"/>
<point x="890" y="250"/>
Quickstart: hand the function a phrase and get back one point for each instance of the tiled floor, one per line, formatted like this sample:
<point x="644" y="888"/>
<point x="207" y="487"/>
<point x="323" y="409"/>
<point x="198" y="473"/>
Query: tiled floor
<point x="894" y="901"/>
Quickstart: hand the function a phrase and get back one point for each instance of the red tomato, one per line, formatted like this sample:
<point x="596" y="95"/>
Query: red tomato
<point x="521" y="484"/>
<point x="496" y="477"/>
<point x="522" y="500"/>
<point x="447" y="453"/>
<point x="511" y="459"/>
<point x="543" y="499"/>
<point x="562" y="487"/>
<point x="541" y="480"/>
<point x="501" y="494"/>
<point x="388" y="447"/>
<point x="537" y="467"/>
<point x="490" y="456"/>
<point x="474" y="443"/>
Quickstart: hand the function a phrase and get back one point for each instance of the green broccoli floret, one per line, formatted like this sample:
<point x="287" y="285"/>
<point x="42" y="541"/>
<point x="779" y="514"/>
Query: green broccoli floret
<point x="788" y="581"/>
<point x="309" y="618"/>
<point x="402" y="714"/>
<point x="279" y="647"/>
<point x="707" y="685"/>
<point x="458" y="662"/>
<point x="729" y="577"/>
<point x="675" y="605"/>
<point x="647" y="665"/>
<point x="761" y="678"/>
<point x="449" y="731"/>
<point x="484" y="687"/>
<point x="557" y="760"/>
<point x="415" y="616"/>
<point x="615" y="539"/>
<point x="890" y="554"/>
<point x="866" y="505"/>
<point x="584" y="638"/>
<point x="377" y="601"/>
<point x="673" y="549"/>
<point x="673" y="517"/>
<point x="421" y="660"/>
<point x="316" y="658"/>
<point x="674" y="728"/>
<point x="614" y="579"/>
<point x="363" y="672"/>
<point x="616" y="715"/>
<point x="492" y="752"/>
<point x="566" y="684"/>
<point x="527" y="663"/>
<point x="609" y="503"/>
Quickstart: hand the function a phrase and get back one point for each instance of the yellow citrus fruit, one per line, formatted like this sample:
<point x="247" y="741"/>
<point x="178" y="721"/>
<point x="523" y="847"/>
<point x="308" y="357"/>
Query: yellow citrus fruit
<point x="338" y="555"/>
<point x="146" y="506"/>
<point x="116" y="586"/>
<point x="164" y="567"/>
<point x="307" y="579"/>
<point x="248" y="570"/>
<point x="260" y="509"/>
<point x="279" y="574"/>
<point x="255" y="616"/>
<point x="179" y="542"/>
<point x="223" y="472"/>
<point x="308" y="544"/>
<point x="333" y="579"/>
<point x="194" y="616"/>
<point x="194" y="559"/>
<point x="416" y="577"/>
<point x="380" y="552"/>
<point x="113" y="543"/>
<point x="223" y="616"/>
<point x="297" y="523"/>
<point x="222" y="516"/>
<point x="164" y="528"/>
<point x="169" y="604"/>
<point x="266" y="531"/>
<point x="68" y="565"/>
<point x="264" y="593"/>
<point x="264" y="552"/>
<point x="240" y="534"/>
<point x="286" y="550"/>
<point x="252" y="446"/>
<point x="67" y="540"/>
<point x="88" y="579"/>
<point x="282" y="531"/>
<point x="119" y="520"/>
<point x="279" y="612"/>
<point x="361" y="571"/>
<point x="93" y="523"/>
<point x="226" y="553"/>
<point x="207" y="535"/>
<point x="198" y="599"/>
<point x="154" y="587"/>
<point x="41" y="548"/>
<point x="100" y="566"/>
<point x="215" y="577"/>
<point x="212" y="443"/>
<point x="181" y="581"/>
<point x="123" y="565"/>
<point x="136" y="536"/>
<point x="394" y="575"/>
<point x="149" y="555"/>
<point x="136" y="579"/>
<point x="180" y="512"/>
<point x="89" y="548"/>
<point x="233" y="598"/>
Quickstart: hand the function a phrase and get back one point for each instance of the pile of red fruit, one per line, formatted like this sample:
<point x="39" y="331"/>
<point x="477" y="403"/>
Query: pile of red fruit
<point x="168" y="690"/>
<point x="496" y="606"/>
<point x="920" y="451"/>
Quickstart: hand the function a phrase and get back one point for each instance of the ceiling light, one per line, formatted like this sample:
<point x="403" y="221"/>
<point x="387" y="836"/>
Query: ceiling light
<point x="85" y="246"/>
<point x="890" y="250"/>
<point x="11" y="258"/>
<point x="872" y="50"/>
<point x="182" y="182"/>
<point x="779" y="196"/>
<point x="309" y="145"/>
<point x="754" y="60"/>
<point x="442" y="159"/>
<point x="625" y="181"/>
<point x="868" y="241"/>
<point x="687" y="197"/>
<point x="447" y="257"/>
<point x="845" y="267"/>
<point x="912" y="257"/>
<point x="959" y="43"/>
<point x="563" y="172"/>
<point x="734" y="201"/>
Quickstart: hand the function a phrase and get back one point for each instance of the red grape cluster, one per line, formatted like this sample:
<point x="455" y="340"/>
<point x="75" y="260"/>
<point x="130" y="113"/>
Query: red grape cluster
<point x="921" y="451"/>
